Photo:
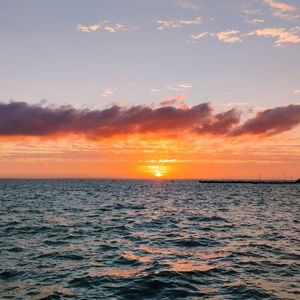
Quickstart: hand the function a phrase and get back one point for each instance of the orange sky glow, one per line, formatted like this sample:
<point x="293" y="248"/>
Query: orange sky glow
<point x="152" y="156"/>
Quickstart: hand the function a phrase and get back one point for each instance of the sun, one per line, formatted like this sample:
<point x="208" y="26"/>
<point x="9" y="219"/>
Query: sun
<point x="155" y="170"/>
<point x="157" y="174"/>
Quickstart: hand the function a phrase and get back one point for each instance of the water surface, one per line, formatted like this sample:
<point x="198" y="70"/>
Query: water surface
<point x="72" y="239"/>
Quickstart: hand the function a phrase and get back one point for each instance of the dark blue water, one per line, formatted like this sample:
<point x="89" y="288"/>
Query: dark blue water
<point x="148" y="240"/>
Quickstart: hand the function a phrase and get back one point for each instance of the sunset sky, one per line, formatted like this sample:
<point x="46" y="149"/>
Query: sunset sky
<point x="148" y="89"/>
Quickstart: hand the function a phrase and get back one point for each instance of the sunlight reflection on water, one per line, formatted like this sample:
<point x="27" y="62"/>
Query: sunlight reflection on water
<point x="144" y="239"/>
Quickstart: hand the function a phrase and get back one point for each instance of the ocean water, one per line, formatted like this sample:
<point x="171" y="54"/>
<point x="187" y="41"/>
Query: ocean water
<point x="104" y="239"/>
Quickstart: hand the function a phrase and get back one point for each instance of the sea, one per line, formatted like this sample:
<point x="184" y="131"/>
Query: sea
<point x="155" y="239"/>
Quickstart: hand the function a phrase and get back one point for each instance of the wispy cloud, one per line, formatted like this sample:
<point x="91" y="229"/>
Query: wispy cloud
<point x="279" y="5"/>
<point x="169" y="101"/>
<point x="184" y="85"/>
<point x="282" y="35"/>
<point x="255" y="21"/>
<point x="228" y="36"/>
<point x="235" y="104"/>
<point x="179" y="87"/>
<point x="199" y="36"/>
<point x="296" y="91"/>
<point x="108" y="92"/>
<point x="89" y="28"/>
<point x="162" y="24"/>
<point x="22" y="119"/>
<point x="187" y="4"/>
<point x="251" y="15"/>
<point x="107" y="26"/>
<point x="154" y="90"/>
<point x="281" y="9"/>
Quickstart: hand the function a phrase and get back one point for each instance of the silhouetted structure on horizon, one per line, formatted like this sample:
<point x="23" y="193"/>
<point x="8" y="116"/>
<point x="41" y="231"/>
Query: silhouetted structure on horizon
<point x="250" y="181"/>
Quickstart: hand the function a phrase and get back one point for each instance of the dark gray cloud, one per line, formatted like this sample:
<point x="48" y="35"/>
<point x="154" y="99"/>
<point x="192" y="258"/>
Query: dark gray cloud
<point x="271" y="121"/>
<point x="22" y="119"/>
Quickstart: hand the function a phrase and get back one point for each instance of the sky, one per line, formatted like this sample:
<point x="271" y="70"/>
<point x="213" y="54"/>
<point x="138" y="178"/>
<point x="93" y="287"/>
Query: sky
<point x="148" y="89"/>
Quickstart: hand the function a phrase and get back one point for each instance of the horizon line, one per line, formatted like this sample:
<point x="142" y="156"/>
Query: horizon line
<point x="156" y="179"/>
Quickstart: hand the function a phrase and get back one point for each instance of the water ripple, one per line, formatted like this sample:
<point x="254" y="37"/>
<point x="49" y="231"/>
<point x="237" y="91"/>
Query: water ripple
<point x="80" y="239"/>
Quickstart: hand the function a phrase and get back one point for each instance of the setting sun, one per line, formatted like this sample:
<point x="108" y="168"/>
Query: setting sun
<point x="157" y="170"/>
<point x="158" y="174"/>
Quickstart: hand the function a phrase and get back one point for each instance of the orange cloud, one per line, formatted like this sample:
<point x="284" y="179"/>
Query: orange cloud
<point x="283" y="35"/>
<point x="282" y="10"/>
<point x="280" y="5"/>
<point x="228" y="36"/>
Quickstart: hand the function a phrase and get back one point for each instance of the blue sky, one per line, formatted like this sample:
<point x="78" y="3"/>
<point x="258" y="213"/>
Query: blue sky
<point x="209" y="50"/>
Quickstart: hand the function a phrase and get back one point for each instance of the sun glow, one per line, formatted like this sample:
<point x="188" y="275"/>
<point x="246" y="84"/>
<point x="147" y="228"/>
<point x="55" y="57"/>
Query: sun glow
<point x="158" y="174"/>
<point x="155" y="170"/>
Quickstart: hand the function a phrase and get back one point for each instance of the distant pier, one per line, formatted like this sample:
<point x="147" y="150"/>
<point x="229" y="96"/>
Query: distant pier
<point x="251" y="181"/>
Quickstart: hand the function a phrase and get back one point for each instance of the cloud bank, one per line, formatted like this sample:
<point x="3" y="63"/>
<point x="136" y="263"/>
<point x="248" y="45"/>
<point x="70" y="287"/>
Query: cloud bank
<point x="22" y="119"/>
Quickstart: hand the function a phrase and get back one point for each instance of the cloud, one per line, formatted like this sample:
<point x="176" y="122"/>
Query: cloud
<point x="184" y="85"/>
<point x="22" y="119"/>
<point x="154" y="90"/>
<point x="187" y="4"/>
<point x="179" y="87"/>
<point x="108" y="92"/>
<point x="255" y="21"/>
<point x="199" y="36"/>
<point x="90" y="28"/>
<point x="271" y="121"/>
<point x="169" y="101"/>
<point x="235" y="104"/>
<point x="107" y="26"/>
<point x="251" y="15"/>
<point x="279" y="5"/>
<point x="296" y="91"/>
<point x="178" y="24"/>
<point x="228" y="36"/>
<point x="281" y="10"/>
<point x="283" y="35"/>
<point x="221" y="123"/>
